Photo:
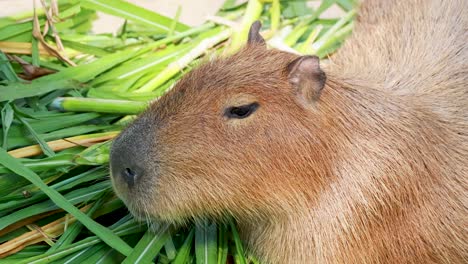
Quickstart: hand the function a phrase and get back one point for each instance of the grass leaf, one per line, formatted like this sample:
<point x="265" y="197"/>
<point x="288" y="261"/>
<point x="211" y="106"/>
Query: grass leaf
<point x="6" y="71"/>
<point x="133" y="13"/>
<point x="222" y="244"/>
<point x="206" y="242"/>
<point x="105" y="234"/>
<point x="7" y="118"/>
<point x="184" y="251"/>
<point x="148" y="246"/>
<point x="73" y="231"/>
<point x="45" y="148"/>
<point x="239" y="254"/>
<point x="69" y="78"/>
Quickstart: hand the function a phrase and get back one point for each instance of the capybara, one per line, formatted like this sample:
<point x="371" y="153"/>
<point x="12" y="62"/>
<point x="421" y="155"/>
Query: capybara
<point x="361" y="160"/>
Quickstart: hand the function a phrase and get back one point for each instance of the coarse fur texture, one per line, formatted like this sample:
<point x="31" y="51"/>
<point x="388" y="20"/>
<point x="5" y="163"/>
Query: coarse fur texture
<point x="373" y="171"/>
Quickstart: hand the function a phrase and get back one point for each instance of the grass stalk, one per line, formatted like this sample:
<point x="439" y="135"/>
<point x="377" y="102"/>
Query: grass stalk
<point x="252" y="13"/>
<point x="148" y="246"/>
<point x="275" y="15"/>
<point x="105" y="234"/>
<point x="319" y="46"/>
<point x="336" y="38"/>
<point x="306" y="46"/>
<point x="53" y="229"/>
<point x="22" y="48"/>
<point x="183" y="62"/>
<point x="61" y="144"/>
<point x="81" y="104"/>
<point x="124" y="229"/>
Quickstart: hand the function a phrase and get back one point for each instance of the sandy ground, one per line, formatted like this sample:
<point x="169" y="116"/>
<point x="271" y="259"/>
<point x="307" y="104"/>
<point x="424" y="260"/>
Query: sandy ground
<point x="193" y="12"/>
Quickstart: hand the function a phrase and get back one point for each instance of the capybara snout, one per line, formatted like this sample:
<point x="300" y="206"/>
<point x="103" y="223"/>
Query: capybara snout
<point x="133" y="155"/>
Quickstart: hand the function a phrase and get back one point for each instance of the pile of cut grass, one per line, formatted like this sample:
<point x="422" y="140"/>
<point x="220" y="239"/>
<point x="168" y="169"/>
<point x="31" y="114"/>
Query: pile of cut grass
<point x="65" y="93"/>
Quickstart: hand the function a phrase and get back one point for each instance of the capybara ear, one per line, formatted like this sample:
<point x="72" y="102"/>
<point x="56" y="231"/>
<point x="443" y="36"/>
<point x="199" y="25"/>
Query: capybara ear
<point x="305" y="75"/>
<point x="254" y="34"/>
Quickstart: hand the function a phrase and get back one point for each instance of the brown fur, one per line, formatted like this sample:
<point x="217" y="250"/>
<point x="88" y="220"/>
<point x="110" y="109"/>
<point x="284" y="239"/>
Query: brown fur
<point x="374" y="171"/>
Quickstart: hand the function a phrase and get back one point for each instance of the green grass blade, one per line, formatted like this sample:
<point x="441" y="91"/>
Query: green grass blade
<point x="97" y="154"/>
<point x="66" y="79"/>
<point x="6" y="71"/>
<point x="222" y="244"/>
<point x="27" y="252"/>
<point x="105" y="234"/>
<point x="216" y="36"/>
<point x="133" y="13"/>
<point x="74" y="197"/>
<point x="81" y="256"/>
<point x="77" y="104"/>
<point x="73" y="231"/>
<point x="319" y="46"/>
<point x="334" y="42"/>
<point x="14" y="201"/>
<point x="148" y="246"/>
<point x="252" y="13"/>
<point x="62" y="161"/>
<point x="11" y="31"/>
<point x="239" y="254"/>
<point x="45" y="148"/>
<point x="324" y="5"/>
<point x="7" y="118"/>
<point x="106" y="255"/>
<point x="206" y="243"/>
<point x="170" y="249"/>
<point x="57" y="126"/>
<point x="88" y="49"/>
<point x="124" y="229"/>
<point x="174" y="21"/>
<point x="184" y="251"/>
<point x="346" y="4"/>
<point x="35" y="52"/>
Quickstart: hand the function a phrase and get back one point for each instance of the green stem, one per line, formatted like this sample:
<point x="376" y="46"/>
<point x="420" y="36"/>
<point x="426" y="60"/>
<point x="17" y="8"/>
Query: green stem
<point x="305" y="47"/>
<point x="62" y="161"/>
<point x="125" y="229"/>
<point x="178" y="65"/>
<point x="319" y="46"/>
<point x="174" y="22"/>
<point x="80" y="104"/>
<point x="104" y="233"/>
<point x="275" y="12"/>
<point x="252" y="13"/>
<point x="336" y="38"/>
<point x="175" y="37"/>
<point x="296" y="34"/>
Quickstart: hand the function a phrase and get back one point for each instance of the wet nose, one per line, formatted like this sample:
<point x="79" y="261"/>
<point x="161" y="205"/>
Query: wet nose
<point x="126" y="162"/>
<point x="129" y="175"/>
<point x="122" y="167"/>
<point x="130" y="155"/>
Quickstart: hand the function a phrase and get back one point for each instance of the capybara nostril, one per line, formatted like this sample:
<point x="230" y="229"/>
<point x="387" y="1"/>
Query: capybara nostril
<point x="127" y="172"/>
<point x="126" y="163"/>
<point x="131" y="154"/>
<point x="129" y="176"/>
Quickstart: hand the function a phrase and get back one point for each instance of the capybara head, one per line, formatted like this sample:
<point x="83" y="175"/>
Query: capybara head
<point x="229" y="139"/>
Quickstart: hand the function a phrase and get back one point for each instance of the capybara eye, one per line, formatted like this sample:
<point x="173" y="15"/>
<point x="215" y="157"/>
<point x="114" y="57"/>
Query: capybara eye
<point x="242" y="111"/>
